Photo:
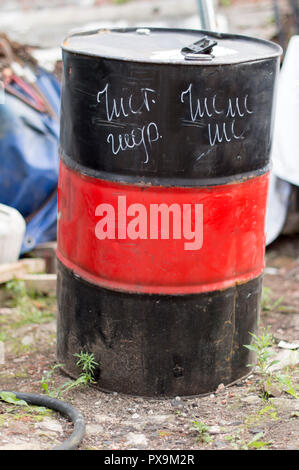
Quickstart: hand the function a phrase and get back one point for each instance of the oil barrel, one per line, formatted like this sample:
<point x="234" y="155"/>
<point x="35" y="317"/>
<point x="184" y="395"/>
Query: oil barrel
<point x="165" y="155"/>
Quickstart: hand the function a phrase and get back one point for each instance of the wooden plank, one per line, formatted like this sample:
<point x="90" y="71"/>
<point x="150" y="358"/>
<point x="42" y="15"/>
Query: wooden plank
<point x="34" y="265"/>
<point x="20" y="268"/>
<point x="45" y="283"/>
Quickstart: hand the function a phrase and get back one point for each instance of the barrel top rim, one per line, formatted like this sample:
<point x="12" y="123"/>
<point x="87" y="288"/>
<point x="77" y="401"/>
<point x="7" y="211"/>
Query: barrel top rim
<point x="264" y="49"/>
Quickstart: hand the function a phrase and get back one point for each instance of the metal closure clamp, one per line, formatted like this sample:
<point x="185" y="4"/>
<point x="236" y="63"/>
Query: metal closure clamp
<point x="199" y="50"/>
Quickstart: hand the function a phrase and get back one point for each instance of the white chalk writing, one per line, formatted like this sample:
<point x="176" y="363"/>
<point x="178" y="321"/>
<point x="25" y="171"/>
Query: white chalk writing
<point x="142" y="136"/>
<point x="124" y="107"/>
<point x="209" y="108"/>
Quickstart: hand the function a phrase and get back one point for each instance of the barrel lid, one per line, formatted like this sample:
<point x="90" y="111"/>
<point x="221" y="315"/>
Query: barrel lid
<point x="175" y="46"/>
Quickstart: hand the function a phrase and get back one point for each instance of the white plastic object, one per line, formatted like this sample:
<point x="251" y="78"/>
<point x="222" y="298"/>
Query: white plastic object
<point x="285" y="154"/>
<point x="12" y="230"/>
<point x="277" y="207"/>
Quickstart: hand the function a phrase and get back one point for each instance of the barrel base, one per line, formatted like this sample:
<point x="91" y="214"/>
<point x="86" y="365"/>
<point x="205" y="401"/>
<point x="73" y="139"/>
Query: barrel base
<point x="157" y="345"/>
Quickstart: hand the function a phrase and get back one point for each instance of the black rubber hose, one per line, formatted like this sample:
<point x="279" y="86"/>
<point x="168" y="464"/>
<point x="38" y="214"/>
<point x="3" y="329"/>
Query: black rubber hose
<point x="64" y="408"/>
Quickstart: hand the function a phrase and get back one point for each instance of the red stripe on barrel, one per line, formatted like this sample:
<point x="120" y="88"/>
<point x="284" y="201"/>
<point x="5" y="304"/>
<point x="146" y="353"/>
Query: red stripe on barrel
<point x="161" y="240"/>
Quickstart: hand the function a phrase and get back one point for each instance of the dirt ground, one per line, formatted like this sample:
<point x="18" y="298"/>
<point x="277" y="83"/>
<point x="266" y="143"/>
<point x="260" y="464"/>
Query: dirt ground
<point x="235" y="417"/>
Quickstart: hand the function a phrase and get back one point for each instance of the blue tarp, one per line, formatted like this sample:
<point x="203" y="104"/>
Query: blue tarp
<point x="29" y="161"/>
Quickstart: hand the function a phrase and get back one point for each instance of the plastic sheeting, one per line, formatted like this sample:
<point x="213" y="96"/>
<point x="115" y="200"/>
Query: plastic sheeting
<point x="285" y="153"/>
<point x="285" y="148"/>
<point x="29" y="161"/>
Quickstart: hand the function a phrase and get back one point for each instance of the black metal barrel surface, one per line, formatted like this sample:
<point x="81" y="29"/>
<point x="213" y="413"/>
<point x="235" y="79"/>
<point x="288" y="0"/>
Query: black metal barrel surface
<point x="152" y="117"/>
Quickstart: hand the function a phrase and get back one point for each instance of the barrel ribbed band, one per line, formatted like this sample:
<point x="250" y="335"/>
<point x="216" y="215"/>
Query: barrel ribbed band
<point x="170" y="182"/>
<point x="112" y="234"/>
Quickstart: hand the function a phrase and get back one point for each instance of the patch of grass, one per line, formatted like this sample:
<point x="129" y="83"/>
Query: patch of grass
<point x="267" y="302"/>
<point x="257" y="443"/>
<point x="238" y="443"/>
<point x="270" y="411"/>
<point x="202" y="431"/>
<point x="30" y="416"/>
<point x="264" y="414"/>
<point x="25" y="307"/>
<point x="3" y="336"/>
<point x="261" y="346"/>
<point x="31" y="305"/>
<point x="22" y="374"/>
<point x="18" y="349"/>
<point x="32" y="413"/>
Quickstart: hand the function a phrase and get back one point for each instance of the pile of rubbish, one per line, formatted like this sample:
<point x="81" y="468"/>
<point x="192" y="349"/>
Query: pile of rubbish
<point x="29" y="139"/>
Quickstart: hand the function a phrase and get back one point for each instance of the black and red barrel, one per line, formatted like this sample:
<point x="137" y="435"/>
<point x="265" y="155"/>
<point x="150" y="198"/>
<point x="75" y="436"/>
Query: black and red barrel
<point x="165" y="149"/>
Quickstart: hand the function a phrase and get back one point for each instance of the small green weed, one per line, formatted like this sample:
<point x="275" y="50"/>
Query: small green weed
<point x="86" y="362"/>
<point x="264" y="414"/>
<point x="261" y="346"/>
<point x="235" y="440"/>
<point x="238" y="443"/>
<point x="202" y="430"/>
<point x="257" y="443"/>
<point x="286" y="382"/>
<point x="48" y="382"/>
